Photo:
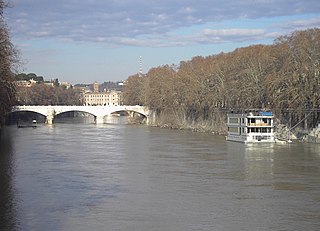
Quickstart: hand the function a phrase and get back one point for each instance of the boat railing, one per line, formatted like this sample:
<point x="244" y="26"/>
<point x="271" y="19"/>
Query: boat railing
<point x="259" y="124"/>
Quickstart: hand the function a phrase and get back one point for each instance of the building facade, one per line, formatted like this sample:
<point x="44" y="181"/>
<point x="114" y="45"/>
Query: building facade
<point x="109" y="98"/>
<point x="95" y="87"/>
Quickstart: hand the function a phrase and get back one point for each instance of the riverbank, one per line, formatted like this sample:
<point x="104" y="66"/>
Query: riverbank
<point x="281" y="131"/>
<point x="194" y="127"/>
<point x="313" y="136"/>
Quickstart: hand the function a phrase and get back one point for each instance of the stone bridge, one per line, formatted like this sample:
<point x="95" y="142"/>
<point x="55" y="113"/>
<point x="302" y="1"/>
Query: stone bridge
<point x="99" y="112"/>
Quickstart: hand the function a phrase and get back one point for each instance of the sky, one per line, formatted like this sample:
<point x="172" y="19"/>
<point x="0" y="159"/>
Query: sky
<point x="82" y="41"/>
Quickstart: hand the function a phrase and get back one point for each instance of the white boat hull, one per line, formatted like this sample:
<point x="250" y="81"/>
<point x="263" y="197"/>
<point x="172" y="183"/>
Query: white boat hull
<point x="250" y="139"/>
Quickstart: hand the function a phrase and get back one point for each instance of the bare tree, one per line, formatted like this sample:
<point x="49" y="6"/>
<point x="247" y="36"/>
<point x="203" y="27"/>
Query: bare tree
<point x="281" y="77"/>
<point x="8" y="60"/>
<point x="133" y="90"/>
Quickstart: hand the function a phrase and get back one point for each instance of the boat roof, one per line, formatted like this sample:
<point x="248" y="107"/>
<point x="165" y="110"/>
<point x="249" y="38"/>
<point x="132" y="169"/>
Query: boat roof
<point x="260" y="114"/>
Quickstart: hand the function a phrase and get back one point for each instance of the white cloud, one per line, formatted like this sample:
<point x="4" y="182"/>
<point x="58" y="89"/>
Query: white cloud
<point x="39" y="33"/>
<point x="23" y="45"/>
<point x="302" y="24"/>
<point x="139" y="22"/>
<point x="233" y="32"/>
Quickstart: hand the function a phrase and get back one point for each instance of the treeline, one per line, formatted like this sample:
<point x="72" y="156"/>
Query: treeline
<point x="105" y="86"/>
<point x="41" y="94"/>
<point x="283" y="77"/>
<point x="8" y="60"/>
<point x="28" y="77"/>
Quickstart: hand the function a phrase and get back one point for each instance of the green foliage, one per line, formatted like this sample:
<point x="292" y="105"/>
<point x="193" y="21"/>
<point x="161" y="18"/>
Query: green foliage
<point x="56" y="82"/>
<point x="23" y="76"/>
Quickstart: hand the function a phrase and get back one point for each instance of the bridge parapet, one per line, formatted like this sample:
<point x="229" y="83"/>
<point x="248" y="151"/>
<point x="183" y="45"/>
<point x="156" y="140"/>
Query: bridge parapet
<point x="98" y="112"/>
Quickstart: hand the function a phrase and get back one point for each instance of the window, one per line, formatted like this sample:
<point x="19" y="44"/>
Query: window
<point x="233" y="129"/>
<point x="233" y="120"/>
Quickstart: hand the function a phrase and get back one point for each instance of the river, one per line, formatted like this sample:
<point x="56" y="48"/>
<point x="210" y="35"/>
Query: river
<point x="72" y="176"/>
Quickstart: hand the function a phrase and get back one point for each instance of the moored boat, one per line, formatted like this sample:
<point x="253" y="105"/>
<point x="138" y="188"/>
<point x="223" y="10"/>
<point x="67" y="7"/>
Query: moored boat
<point x="252" y="127"/>
<point x="25" y="125"/>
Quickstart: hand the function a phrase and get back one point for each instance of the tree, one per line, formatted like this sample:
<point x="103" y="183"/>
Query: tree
<point x="282" y="77"/>
<point x="23" y="76"/>
<point x="41" y="94"/>
<point x="299" y="76"/>
<point x="132" y="92"/>
<point x="8" y="60"/>
<point x="56" y="82"/>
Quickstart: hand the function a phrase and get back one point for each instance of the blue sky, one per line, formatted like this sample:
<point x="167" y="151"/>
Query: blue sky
<point x="81" y="41"/>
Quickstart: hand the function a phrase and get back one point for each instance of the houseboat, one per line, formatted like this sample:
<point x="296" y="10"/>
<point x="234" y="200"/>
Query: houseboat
<point x="252" y="127"/>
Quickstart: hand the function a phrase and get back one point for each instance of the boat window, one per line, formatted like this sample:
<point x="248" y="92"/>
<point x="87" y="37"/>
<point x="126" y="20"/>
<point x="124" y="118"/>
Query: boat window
<point x="255" y="130"/>
<point x="252" y="121"/>
<point x="233" y="129"/>
<point x="233" y="120"/>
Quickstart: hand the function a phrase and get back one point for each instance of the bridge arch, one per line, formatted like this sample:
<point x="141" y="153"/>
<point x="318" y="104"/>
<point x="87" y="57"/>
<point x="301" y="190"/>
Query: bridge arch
<point x="99" y="112"/>
<point x="32" y="111"/>
<point x="24" y="116"/>
<point x="134" y="115"/>
<point x="75" y="114"/>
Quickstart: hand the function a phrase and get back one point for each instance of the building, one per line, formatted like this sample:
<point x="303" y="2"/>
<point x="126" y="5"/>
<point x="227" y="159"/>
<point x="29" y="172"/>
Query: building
<point x="22" y="83"/>
<point x="65" y="85"/>
<point x="111" y="98"/>
<point x="25" y="83"/>
<point x="106" y="98"/>
<point x="95" y="87"/>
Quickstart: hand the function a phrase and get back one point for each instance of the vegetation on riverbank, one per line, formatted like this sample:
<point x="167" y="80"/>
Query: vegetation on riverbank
<point x="8" y="62"/>
<point x="41" y="94"/>
<point x="283" y="77"/>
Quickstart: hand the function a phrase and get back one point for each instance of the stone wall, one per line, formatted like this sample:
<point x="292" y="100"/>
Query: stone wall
<point x="283" y="132"/>
<point x="313" y="136"/>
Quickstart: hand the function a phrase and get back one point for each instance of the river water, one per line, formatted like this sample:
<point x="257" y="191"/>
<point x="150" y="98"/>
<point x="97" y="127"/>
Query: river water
<point x="124" y="177"/>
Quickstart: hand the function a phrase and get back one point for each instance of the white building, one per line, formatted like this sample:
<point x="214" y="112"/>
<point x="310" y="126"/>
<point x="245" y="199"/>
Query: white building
<point x="111" y="98"/>
<point x="66" y="85"/>
<point x="22" y="83"/>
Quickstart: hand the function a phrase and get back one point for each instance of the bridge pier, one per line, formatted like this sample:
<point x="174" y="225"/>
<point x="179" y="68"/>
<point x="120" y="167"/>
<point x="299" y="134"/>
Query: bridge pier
<point x="151" y="118"/>
<point x="49" y="119"/>
<point x="99" y="119"/>
<point x="131" y="114"/>
<point x="50" y="116"/>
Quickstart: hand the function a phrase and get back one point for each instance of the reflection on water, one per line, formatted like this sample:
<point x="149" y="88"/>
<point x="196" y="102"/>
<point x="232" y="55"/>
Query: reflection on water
<point x="117" y="177"/>
<point x="7" y="201"/>
<point x="261" y="161"/>
<point x="89" y="119"/>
